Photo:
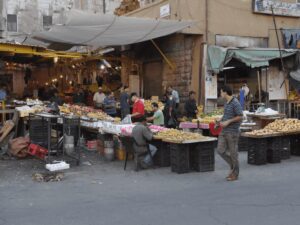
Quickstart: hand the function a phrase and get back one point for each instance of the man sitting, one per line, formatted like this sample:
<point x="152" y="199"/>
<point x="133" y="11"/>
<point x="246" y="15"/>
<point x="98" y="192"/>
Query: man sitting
<point x="141" y="135"/>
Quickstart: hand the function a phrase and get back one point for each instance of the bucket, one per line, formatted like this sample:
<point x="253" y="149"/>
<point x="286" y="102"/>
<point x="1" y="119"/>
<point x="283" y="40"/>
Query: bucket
<point x="69" y="144"/>
<point x="109" y="154"/>
<point x="120" y="154"/>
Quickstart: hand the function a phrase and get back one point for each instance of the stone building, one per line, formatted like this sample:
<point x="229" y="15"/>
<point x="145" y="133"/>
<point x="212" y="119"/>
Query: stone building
<point x="236" y="23"/>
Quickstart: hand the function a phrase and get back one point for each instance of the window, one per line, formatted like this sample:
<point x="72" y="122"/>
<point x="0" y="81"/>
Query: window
<point x="12" y="23"/>
<point x="47" y="22"/>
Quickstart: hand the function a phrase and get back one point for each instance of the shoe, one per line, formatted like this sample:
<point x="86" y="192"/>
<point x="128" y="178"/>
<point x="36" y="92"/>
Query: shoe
<point x="144" y="165"/>
<point x="232" y="177"/>
<point x="230" y="174"/>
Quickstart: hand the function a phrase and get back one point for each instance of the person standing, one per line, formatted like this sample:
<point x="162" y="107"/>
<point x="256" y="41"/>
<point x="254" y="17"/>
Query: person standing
<point x="175" y="95"/>
<point x="78" y="96"/>
<point x="191" y="106"/>
<point x="169" y="112"/>
<point x="228" y="139"/>
<point x="124" y="102"/>
<point x="158" y="116"/>
<point x="110" y="105"/>
<point x="141" y="135"/>
<point x="138" y="109"/>
<point x="99" y="98"/>
<point x="3" y="93"/>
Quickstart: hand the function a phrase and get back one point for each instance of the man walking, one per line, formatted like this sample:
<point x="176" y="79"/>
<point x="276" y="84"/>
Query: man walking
<point x="228" y="139"/>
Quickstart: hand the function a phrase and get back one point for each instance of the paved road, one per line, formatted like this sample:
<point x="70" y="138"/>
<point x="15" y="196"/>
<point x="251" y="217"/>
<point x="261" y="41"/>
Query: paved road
<point x="104" y="194"/>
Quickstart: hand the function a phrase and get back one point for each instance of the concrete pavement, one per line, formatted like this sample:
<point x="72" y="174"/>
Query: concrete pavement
<point x="104" y="194"/>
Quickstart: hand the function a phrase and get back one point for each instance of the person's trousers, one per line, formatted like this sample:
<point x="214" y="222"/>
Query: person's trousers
<point x="228" y="150"/>
<point x="153" y="150"/>
<point x="124" y="112"/>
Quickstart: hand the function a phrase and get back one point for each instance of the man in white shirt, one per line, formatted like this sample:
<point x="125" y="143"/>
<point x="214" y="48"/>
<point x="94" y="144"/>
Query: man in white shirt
<point x="175" y="95"/>
<point x="99" y="98"/>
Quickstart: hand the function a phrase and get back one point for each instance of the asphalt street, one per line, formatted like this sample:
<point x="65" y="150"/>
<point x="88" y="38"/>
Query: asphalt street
<point x="104" y="194"/>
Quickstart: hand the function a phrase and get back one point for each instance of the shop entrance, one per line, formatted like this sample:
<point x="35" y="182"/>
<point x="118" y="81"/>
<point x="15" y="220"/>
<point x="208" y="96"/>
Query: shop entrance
<point x="152" y="79"/>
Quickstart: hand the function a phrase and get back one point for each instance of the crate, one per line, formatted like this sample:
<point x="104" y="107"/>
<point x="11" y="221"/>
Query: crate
<point x="274" y="150"/>
<point x="38" y="131"/>
<point x="243" y="144"/>
<point x="257" y="151"/>
<point x="202" y="156"/>
<point x="295" y="145"/>
<point x="37" y="151"/>
<point x="162" y="156"/>
<point x="180" y="157"/>
<point x="285" y="151"/>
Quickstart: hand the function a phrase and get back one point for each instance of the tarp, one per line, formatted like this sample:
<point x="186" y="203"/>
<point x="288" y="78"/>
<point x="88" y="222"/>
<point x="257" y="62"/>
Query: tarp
<point x="82" y="28"/>
<point x="218" y="57"/>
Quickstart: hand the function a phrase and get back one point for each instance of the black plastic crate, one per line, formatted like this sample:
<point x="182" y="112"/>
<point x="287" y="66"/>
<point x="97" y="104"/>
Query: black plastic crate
<point x="243" y="144"/>
<point x="180" y="158"/>
<point x="285" y="151"/>
<point x="162" y="156"/>
<point x="295" y="145"/>
<point x="202" y="162"/>
<point x="274" y="150"/>
<point x="257" y="151"/>
<point x="38" y="131"/>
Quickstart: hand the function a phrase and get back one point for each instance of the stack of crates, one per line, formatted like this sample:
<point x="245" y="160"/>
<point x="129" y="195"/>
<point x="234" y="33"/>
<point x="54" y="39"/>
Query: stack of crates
<point x="274" y="150"/>
<point x="203" y="156"/>
<point x="243" y="144"/>
<point x="180" y="158"/>
<point x="257" y="151"/>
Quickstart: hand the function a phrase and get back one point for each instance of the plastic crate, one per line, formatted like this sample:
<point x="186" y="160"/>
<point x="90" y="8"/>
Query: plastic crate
<point x="295" y="145"/>
<point x="285" y="151"/>
<point x="37" y="151"/>
<point x="203" y="162"/>
<point x="180" y="158"/>
<point x="38" y="131"/>
<point x="162" y="156"/>
<point x="243" y="144"/>
<point x="257" y="151"/>
<point x="274" y="150"/>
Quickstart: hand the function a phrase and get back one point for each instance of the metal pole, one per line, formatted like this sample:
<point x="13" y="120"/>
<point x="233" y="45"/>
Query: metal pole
<point x="104" y="7"/>
<point x="259" y="86"/>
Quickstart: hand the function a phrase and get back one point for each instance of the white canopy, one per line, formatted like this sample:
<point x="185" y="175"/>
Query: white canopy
<point x="97" y="30"/>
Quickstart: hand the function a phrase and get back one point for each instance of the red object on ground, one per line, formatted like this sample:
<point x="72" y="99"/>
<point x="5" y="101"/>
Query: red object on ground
<point x="214" y="131"/>
<point x="37" y="151"/>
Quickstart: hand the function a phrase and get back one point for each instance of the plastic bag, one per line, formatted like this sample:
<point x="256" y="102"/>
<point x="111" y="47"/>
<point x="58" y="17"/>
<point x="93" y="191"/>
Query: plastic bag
<point x="127" y="120"/>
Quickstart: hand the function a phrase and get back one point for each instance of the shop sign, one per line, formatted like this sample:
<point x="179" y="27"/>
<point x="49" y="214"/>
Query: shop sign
<point x="280" y="8"/>
<point x="291" y="38"/>
<point x="165" y="11"/>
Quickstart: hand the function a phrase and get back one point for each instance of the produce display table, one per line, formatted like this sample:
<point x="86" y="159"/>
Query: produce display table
<point x="263" y="120"/>
<point x="192" y="155"/>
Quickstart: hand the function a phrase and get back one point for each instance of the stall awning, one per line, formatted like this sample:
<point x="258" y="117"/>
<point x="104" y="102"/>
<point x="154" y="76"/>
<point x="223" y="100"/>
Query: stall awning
<point x="98" y="30"/>
<point x="218" y="57"/>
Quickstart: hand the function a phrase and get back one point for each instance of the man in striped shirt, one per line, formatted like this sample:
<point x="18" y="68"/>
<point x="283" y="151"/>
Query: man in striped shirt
<point x="228" y="139"/>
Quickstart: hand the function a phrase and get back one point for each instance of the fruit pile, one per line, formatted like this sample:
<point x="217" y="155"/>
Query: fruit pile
<point x="279" y="126"/>
<point x="148" y="106"/>
<point x="178" y="136"/>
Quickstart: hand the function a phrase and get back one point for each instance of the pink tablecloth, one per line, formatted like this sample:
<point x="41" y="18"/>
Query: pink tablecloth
<point x="190" y="125"/>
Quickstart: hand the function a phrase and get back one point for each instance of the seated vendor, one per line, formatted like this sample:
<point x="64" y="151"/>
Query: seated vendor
<point x="141" y="135"/>
<point x="158" y="116"/>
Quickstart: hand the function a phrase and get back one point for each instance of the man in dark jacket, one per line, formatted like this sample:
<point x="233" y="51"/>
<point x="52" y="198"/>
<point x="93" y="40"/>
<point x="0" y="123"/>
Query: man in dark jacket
<point x="141" y="135"/>
<point x="191" y="106"/>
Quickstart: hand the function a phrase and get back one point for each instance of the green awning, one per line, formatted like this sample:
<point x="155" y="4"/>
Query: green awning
<point x="218" y="57"/>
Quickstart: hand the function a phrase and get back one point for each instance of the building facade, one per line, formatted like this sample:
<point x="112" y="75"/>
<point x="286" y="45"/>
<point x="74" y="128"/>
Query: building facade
<point x="236" y="23"/>
<point x="22" y="17"/>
